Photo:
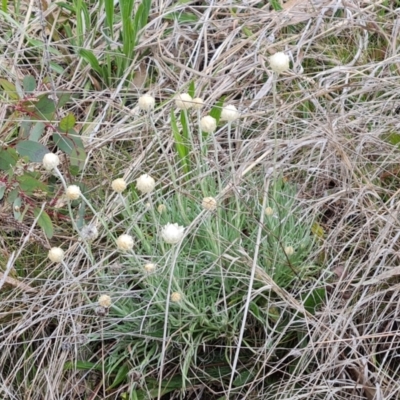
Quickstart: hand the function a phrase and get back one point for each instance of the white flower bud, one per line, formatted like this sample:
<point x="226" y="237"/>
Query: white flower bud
<point x="279" y="62"/>
<point x="125" y="242"/>
<point x="146" y="102"/>
<point x="89" y="232"/>
<point x="73" y="192"/>
<point x="208" y="124"/>
<point x="183" y="101"/>
<point x="229" y="113"/>
<point x="289" y="250"/>
<point x="145" y="183"/>
<point x="118" y="185"/>
<point x="198" y="103"/>
<point x="176" y="297"/>
<point x="104" y="301"/>
<point x="149" y="268"/>
<point x="172" y="233"/>
<point x="269" y="211"/>
<point x="56" y="254"/>
<point x="51" y="161"/>
<point x="162" y="208"/>
<point x="209" y="203"/>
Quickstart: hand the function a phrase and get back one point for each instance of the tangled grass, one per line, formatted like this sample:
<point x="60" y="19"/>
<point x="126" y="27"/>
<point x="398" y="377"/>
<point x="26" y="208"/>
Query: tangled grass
<point x="286" y="287"/>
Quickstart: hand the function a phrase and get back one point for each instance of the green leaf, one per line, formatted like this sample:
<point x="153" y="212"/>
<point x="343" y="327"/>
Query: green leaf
<point x="8" y="158"/>
<point x="78" y="157"/>
<point x="312" y="300"/>
<point x="29" y="84"/>
<point x="2" y="189"/>
<point x="81" y="365"/>
<point x="64" y="143"/>
<point x="91" y="59"/>
<point x="63" y="98"/>
<point x="44" y="222"/>
<point x="76" y="139"/>
<point x="121" y="376"/>
<point x="45" y="107"/>
<point x="12" y="196"/>
<point x="33" y="150"/>
<point x="74" y="170"/>
<point x="242" y="378"/>
<point x="393" y="138"/>
<point x="182" y="17"/>
<point x="68" y="122"/>
<point x="37" y="131"/>
<point x="217" y="109"/>
<point x="192" y="89"/>
<point x="9" y="88"/>
<point x="17" y="208"/>
<point x="179" y="145"/>
<point x="276" y="5"/>
<point x="28" y="184"/>
<point x="25" y="127"/>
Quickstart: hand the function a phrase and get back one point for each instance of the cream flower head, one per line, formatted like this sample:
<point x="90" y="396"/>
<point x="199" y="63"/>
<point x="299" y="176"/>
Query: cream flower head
<point x="172" y="233"/>
<point x="183" y="101"/>
<point x="146" y="102"/>
<point x="125" y="242"/>
<point x="198" y="103"/>
<point x="149" y="267"/>
<point x="208" y="124"/>
<point x="104" y="301"/>
<point x="209" y="203"/>
<point x="161" y="208"/>
<point x="145" y="183"/>
<point x="269" y="211"/>
<point x="51" y="161"/>
<point x="176" y="297"/>
<point x="229" y="113"/>
<point x="73" y="192"/>
<point x="279" y="62"/>
<point x="289" y="250"/>
<point x="118" y="185"/>
<point x="56" y="254"/>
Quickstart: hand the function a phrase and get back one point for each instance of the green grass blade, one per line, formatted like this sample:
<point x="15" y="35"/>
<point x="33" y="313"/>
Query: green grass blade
<point x="179" y="144"/>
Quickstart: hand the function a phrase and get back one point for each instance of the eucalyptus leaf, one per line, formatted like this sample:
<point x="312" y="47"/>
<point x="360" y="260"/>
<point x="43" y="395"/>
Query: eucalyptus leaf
<point x="8" y="158"/>
<point x="44" y="222"/>
<point x="29" y="84"/>
<point x="33" y="150"/>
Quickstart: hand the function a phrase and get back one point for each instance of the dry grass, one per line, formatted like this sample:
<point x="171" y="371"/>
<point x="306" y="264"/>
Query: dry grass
<point x="336" y="117"/>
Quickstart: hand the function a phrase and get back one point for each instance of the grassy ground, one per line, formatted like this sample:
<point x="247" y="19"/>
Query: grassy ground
<point x="284" y="284"/>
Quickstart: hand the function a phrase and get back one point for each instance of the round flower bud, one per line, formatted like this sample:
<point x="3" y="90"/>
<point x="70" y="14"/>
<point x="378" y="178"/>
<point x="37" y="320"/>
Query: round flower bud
<point x="51" y="161"/>
<point x="198" y="103"/>
<point x="279" y="62"/>
<point x="104" y="301"/>
<point x="149" y="268"/>
<point x="146" y="102"/>
<point x="289" y="250"/>
<point x="269" y="211"/>
<point x="172" y="233"/>
<point x="56" y="254"/>
<point x="145" y="183"/>
<point x="162" y="208"/>
<point x="73" y="192"/>
<point x="229" y="113"/>
<point x="89" y="232"/>
<point x="183" y="101"/>
<point x="208" y="124"/>
<point x="125" y="242"/>
<point x="176" y="297"/>
<point x="118" y="185"/>
<point x="209" y="203"/>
